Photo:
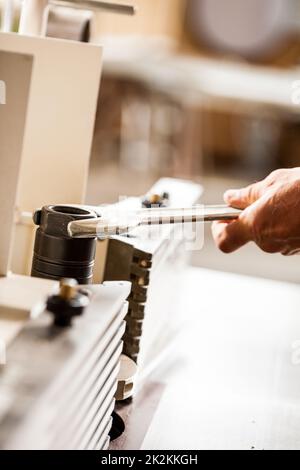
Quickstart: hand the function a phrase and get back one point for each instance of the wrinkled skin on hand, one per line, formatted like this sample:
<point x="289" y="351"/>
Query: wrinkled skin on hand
<point x="270" y="217"/>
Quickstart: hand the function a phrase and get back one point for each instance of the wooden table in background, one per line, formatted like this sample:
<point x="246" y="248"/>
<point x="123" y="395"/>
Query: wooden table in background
<point x="200" y="86"/>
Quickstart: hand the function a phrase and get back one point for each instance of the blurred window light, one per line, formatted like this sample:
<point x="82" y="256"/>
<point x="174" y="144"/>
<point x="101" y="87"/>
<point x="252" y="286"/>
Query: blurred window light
<point x="245" y="27"/>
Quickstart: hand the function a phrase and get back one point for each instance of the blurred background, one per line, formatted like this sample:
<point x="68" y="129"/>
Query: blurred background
<point x="198" y="89"/>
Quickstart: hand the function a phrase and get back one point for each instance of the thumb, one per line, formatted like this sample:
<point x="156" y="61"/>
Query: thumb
<point x="242" y="198"/>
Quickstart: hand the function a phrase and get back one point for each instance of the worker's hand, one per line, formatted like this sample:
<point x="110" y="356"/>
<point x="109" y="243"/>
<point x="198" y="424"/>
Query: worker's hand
<point x="270" y="217"/>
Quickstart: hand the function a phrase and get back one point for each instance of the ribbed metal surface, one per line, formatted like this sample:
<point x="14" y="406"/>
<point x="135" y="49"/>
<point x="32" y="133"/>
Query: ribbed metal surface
<point x="150" y="260"/>
<point x="85" y="419"/>
<point x="61" y="383"/>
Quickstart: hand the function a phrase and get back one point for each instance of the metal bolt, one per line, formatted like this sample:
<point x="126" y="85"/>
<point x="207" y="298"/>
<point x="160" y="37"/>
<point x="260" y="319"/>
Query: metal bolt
<point x="68" y="289"/>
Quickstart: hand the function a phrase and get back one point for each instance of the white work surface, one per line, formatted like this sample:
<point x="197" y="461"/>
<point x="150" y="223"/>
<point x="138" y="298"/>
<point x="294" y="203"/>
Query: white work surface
<point x="231" y="382"/>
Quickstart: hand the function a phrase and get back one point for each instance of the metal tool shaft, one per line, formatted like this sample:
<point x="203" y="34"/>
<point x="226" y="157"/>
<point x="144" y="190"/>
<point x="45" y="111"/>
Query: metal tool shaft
<point x="195" y="214"/>
<point x="126" y="222"/>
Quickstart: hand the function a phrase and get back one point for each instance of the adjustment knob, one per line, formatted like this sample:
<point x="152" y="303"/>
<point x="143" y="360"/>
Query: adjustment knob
<point x="68" y="303"/>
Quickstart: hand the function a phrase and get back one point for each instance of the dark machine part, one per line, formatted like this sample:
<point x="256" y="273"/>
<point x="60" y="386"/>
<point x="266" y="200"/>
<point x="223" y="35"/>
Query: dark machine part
<point x="156" y="200"/>
<point x="153" y="266"/>
<point x="70" y="302"/>
<point x="56" y="254"/>
<point x="118" y="427"/>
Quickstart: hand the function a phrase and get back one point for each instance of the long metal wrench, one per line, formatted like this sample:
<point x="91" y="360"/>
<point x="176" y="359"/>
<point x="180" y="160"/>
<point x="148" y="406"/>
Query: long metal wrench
<point x="123" y="222"/>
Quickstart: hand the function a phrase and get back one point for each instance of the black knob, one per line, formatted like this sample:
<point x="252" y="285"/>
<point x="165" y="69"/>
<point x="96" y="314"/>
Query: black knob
<point x="67" y="304"/>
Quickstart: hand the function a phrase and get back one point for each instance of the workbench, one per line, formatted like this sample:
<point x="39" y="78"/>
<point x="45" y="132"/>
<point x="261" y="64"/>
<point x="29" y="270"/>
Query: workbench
<point x="231" y="379"/>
